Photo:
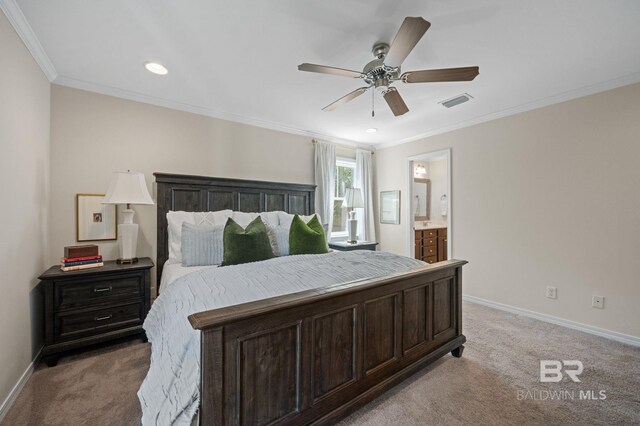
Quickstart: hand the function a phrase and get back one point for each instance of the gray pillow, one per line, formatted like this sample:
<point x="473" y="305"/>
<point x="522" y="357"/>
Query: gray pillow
<point x="279" y="239"/>
<point x="202" y="245"/>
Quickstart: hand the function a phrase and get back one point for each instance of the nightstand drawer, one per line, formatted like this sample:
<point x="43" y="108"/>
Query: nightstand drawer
<point x="75" y="325"/>
<point x="70" y="294"/>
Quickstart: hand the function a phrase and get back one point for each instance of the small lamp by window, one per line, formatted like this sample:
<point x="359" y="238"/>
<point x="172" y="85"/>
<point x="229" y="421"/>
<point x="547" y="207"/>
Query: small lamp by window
<point x="128" y="188"/>
<point x="353" y="200"/>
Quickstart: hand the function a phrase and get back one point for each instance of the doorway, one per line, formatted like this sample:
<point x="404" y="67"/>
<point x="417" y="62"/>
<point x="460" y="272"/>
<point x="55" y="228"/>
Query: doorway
<point x="428" y="206"/>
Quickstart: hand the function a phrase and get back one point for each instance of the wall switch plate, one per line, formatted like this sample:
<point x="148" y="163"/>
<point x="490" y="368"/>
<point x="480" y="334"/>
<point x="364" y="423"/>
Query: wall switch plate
<point x="552" y="292"/>
<point x="597" y="301"/>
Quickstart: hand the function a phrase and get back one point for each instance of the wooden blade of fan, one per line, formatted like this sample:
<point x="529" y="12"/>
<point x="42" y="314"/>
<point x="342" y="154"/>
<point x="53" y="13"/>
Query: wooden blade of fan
<point x="445" y="74"/>
<point x="408" y="36"/>
<point x="395" y="102"/>
<point x="329" y="70"/>
<point x="346" y="98"/>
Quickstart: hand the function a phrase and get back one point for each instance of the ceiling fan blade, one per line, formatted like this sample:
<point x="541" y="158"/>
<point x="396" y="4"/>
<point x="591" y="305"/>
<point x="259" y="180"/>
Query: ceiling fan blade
<point x="329" y="70"/>
<point x="395" y="102"/>
<point x="346" y="98"/>
<point x="408" y="36"/>
<point x="445" y="74"/>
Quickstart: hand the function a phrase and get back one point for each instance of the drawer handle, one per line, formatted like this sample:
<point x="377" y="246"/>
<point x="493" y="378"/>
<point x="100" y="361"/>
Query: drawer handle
<point x="104" y="318"/>
<point x="102" y="290"/>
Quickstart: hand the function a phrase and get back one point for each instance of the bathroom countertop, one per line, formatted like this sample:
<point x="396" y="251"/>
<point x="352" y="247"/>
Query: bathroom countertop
<point x="430" y="226"/>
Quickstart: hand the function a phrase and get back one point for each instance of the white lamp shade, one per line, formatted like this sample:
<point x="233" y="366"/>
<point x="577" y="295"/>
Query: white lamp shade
<point x="353" y="198"/>
<point x="128" y="188"/>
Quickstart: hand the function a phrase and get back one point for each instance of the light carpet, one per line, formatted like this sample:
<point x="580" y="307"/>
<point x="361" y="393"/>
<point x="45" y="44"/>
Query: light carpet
<point x="495" y="382"/>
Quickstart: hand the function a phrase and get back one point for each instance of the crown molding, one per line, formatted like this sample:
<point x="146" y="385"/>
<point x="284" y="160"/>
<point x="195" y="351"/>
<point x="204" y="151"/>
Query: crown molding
<point x="540" y="103"/>
<point x="23" y="28"/>
<point x="17" y="19"/>
<point x="195" y="109"/>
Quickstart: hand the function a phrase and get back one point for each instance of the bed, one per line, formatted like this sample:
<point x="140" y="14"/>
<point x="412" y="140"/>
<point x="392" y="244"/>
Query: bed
<point x="304" y="351"/>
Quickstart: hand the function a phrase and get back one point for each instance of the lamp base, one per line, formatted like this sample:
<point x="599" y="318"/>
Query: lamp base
<point x="352" y="227"/>
<point x="128" y="236"/>
<point x="122" y="261"/>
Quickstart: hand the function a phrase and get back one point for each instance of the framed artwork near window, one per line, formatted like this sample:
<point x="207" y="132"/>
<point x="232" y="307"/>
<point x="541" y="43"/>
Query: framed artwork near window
<point x="95" y="221"/>
<point x="390" y="207"/>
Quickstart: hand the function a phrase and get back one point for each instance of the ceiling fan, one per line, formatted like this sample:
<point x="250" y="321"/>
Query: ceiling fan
<point x="383" y="71"/>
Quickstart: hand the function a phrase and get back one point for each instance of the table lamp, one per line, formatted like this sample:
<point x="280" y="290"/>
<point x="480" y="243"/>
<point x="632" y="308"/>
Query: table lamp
<point x="353" y="200"/>
<point x="128" y="188"/>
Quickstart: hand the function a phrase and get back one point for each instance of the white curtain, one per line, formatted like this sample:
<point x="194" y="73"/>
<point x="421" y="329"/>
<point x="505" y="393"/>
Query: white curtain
<point x="325" y="170"/>
<point x="364" y="181"/>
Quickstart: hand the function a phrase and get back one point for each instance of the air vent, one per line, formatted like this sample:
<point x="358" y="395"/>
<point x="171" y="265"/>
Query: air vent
<point x="460" y="99"/>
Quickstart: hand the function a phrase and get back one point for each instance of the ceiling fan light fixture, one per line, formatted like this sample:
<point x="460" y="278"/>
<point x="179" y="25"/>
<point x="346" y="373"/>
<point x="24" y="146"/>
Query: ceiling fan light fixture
<point x="156" y="68"/>
<point x="371" y="130"/>
<point x="380" y="73"/>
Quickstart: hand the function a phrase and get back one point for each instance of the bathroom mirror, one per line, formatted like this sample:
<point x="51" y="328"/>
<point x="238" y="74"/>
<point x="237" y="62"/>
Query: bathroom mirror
<point x="421" y="199"/>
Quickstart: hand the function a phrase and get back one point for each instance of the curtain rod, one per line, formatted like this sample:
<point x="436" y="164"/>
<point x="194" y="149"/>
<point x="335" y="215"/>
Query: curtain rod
<point x="347" y="147"/>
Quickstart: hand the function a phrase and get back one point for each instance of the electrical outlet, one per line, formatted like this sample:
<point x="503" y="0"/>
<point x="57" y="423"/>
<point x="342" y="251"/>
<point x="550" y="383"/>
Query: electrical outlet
<point x="597" y="301"/>
<point x="552" y="292"/>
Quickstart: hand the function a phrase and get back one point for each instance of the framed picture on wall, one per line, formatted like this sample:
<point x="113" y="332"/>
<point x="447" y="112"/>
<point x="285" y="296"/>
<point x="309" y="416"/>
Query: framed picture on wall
<point x="95" y="221"/>
<point x="390" y="207"/>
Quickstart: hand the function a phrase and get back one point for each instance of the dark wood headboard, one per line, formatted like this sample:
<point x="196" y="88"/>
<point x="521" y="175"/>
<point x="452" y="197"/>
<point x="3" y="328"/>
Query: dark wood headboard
<point x="203" y="193"/>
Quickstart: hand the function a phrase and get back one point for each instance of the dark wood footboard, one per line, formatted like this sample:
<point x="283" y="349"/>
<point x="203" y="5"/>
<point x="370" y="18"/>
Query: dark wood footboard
<point x="315" y="356"/>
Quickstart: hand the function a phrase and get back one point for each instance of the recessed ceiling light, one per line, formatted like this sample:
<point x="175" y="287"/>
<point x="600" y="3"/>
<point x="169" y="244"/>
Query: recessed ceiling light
<point x="371" y="130"/>
<point x="155" y="68"/>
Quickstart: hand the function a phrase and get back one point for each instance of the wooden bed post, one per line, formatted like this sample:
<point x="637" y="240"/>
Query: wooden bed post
<point x="212" y="377"/>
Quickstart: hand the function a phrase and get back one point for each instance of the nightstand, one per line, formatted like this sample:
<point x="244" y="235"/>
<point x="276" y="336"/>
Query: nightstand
<point x="95" y="305"/>
<point x="360" y="245"/>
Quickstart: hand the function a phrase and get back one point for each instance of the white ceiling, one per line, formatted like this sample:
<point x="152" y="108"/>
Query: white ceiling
<point x="238" y="59"/>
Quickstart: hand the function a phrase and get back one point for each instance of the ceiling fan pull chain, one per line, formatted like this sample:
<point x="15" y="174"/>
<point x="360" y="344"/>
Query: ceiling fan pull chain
<point x="373" y="109"/>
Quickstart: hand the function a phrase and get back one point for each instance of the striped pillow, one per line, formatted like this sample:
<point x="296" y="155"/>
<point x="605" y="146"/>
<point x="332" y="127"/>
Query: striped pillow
<point x="279" y="239"/>
<point x="201" y="245"/>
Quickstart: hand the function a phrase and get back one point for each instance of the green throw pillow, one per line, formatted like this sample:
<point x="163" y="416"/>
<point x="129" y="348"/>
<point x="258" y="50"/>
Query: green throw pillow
<point x="307" y="238"/>
<point x="245" y="245"/>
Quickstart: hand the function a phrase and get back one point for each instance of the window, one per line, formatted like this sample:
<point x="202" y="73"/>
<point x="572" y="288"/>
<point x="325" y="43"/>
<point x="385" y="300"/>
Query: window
<point x="345" y="173"/>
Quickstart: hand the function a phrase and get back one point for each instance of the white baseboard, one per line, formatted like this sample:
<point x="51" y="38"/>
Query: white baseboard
<point x="13" y="395"/>
<point x="613" y="335"/>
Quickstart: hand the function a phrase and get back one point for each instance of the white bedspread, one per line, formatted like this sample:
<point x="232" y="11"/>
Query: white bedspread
<point x="170" y="392"/>
<point x="172" y="271"/>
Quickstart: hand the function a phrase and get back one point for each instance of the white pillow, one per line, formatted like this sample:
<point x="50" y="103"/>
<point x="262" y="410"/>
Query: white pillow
<point x="279" y="239"/>
<point x="175" y="221"/>
<point x="244" y="219"/>
<point x="270" y="218"/>
<point x="286" y="218"/>
<point x="217" y="218"/>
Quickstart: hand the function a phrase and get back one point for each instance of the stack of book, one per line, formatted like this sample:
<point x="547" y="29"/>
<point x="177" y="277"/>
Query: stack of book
<point x="80" y="257"/>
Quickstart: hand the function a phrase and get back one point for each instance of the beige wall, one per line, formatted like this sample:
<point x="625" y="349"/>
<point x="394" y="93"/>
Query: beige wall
<point x="24" y="173"/>
<point x="93" y="135"/>
<point x="546" y="197"/>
